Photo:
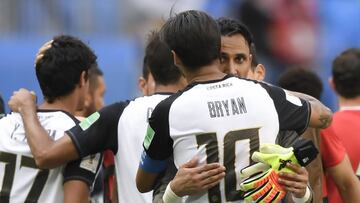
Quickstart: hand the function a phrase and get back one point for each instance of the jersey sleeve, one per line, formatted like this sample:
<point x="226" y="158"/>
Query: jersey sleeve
<point x="85" y="169"/>
<point x="158" y="145"/>
<point x="98" y="132"/>
<point x="331" y="148"/>
<point x="293" y="112"/>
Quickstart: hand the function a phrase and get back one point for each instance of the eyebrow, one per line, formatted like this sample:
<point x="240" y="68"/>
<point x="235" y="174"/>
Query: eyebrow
<point x="241" y="55"/>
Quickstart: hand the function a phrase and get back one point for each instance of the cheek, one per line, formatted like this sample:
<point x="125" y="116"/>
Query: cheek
<point x="99" y="103"/>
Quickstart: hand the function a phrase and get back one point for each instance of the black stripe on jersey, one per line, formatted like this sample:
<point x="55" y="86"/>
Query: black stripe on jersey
<point x="102" y="134"/>
<point x="291" y="116"/>
<point x="161" y="146"/>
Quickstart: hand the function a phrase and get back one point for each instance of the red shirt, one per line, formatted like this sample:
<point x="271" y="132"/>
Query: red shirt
<point x="343" y="136"/>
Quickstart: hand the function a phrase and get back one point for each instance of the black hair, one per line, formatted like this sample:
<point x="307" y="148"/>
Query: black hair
<point x="301" y="80"/>
<point x="59" y="70"/>
<point x="346" y="73"/>
<point x="145" y="69"/>
<point x="230" y="27"/>
<point x="2" y="106"/>
<point x="194" y="36"/>
<point x="159" y="60"/>
<point x="94" y="73"/>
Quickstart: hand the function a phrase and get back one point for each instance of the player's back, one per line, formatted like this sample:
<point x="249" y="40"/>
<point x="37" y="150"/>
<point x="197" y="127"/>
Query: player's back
<point x="20" y="179"/>
<point x="223" y="121"/>
<point x="131" y="132"/>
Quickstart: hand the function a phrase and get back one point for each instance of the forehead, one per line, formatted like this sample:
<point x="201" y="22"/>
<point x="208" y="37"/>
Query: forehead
<point x="234" y="44"/>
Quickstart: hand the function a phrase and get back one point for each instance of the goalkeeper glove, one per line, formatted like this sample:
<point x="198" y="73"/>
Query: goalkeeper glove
<point x="264" y="187"/>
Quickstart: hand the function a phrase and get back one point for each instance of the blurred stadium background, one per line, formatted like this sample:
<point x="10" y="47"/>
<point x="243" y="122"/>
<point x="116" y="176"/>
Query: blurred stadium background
<point x="287" y="33"/>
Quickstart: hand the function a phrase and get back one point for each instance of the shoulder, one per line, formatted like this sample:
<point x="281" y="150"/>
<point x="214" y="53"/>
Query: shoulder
<point x="165" y="104"/>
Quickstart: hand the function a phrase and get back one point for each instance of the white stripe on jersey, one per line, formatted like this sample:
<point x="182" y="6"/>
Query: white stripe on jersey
<point x="17" y="167"/>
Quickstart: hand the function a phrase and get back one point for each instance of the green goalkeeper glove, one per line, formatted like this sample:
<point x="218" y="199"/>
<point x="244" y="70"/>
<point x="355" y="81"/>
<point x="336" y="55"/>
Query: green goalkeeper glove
<point x="264" y="186"/>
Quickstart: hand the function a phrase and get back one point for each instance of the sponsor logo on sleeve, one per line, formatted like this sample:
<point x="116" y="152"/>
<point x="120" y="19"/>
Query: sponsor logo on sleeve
<point x="90" y="162"/>
<point x="87" y="122"/>
<point x="149" y="137"/>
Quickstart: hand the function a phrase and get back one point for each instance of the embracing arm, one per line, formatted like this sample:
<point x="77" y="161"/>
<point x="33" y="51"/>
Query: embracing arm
<point x="145" y="181"/>
<point x="76" y="191"/>
<point x="47" y="152"/>
<point x="321" y="116"/>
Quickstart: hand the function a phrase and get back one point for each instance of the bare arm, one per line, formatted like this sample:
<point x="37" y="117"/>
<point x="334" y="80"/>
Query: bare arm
<point x="346" y="181"/>
<point x="321" y="116"/>
<point x="145" y="181"/>
<point x="76" y="191"/>
<point x="47" y="152"/>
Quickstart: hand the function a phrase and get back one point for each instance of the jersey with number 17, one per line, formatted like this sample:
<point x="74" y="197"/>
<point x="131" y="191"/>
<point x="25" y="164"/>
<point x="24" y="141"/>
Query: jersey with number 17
<point x="20" y="179"/>
<point x="222" y="121"/>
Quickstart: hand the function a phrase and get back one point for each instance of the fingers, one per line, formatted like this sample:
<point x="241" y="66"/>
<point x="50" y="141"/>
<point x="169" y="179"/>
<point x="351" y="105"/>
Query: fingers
<point x="295" y="183"/>
<point x="191" y="164"/>
<point x="22" y="98"/>
<point x="42" y="50"/>
<point x="292" y="184"/>
<point x="251" y="170"/>
<point x="207" y="175"/>
<point x="208" y="167"/>
<point x="296" y="168"/>
<point x="213" y="180"/>
<point x="300" y="174"/>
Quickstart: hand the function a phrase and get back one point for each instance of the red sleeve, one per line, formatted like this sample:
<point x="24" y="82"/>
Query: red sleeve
<point x="331" y="147"/>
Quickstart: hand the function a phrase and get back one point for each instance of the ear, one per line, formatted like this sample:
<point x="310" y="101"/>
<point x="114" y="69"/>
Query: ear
<point x="332" y="84"/>
<point x="142" y="85"/>
<point x="83" y="79"/>
<point x="177" y="60"/>
<point x="260" y="72"/>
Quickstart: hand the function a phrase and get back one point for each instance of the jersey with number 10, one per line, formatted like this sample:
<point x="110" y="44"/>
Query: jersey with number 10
<point x="222" y="121"/>
<point x="20" y="179"/>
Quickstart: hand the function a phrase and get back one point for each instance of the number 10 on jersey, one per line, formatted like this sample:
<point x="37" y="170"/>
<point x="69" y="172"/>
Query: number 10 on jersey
<point x="212" y="152"/>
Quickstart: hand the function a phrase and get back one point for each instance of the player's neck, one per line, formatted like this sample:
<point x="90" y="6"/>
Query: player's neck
<point x="205" y="73"/>
<point x="168" y="88"/>
<point x="346" y="102"/>
<point x="67" y="103"/>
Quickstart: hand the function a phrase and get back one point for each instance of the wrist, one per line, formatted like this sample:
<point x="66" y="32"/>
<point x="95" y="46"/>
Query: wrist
<point x="27" y="109"/>
<point x="303" y="199"/>
<point x="170" y="196"/>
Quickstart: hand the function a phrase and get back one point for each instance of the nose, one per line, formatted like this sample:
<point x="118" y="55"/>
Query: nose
<point x="232" y="68"/>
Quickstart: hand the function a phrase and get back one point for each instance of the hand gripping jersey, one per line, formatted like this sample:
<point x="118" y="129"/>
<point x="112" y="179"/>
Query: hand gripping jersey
<point x="20" y="179"/>
<point x="221" y="121"/>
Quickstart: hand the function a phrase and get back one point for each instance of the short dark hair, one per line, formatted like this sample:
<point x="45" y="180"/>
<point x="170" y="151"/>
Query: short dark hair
<point x="59" y="70"/>
<point x="194" y="36"/>
<point x="145" y="69"/>
<point x="94" y="73"/>
<point x="2" y="106"/>
<point x="346" y="73"/>
<point x="230" y="27"/>
<point x="301" y="80"/>
<point x="159" y="60"/>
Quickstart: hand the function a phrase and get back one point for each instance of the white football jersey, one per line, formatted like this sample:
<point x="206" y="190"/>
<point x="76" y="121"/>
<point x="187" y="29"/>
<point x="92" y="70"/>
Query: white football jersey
<point x="20" y="179"/>
<point x="222" y="121"/>
<point x="131" y="132"/>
